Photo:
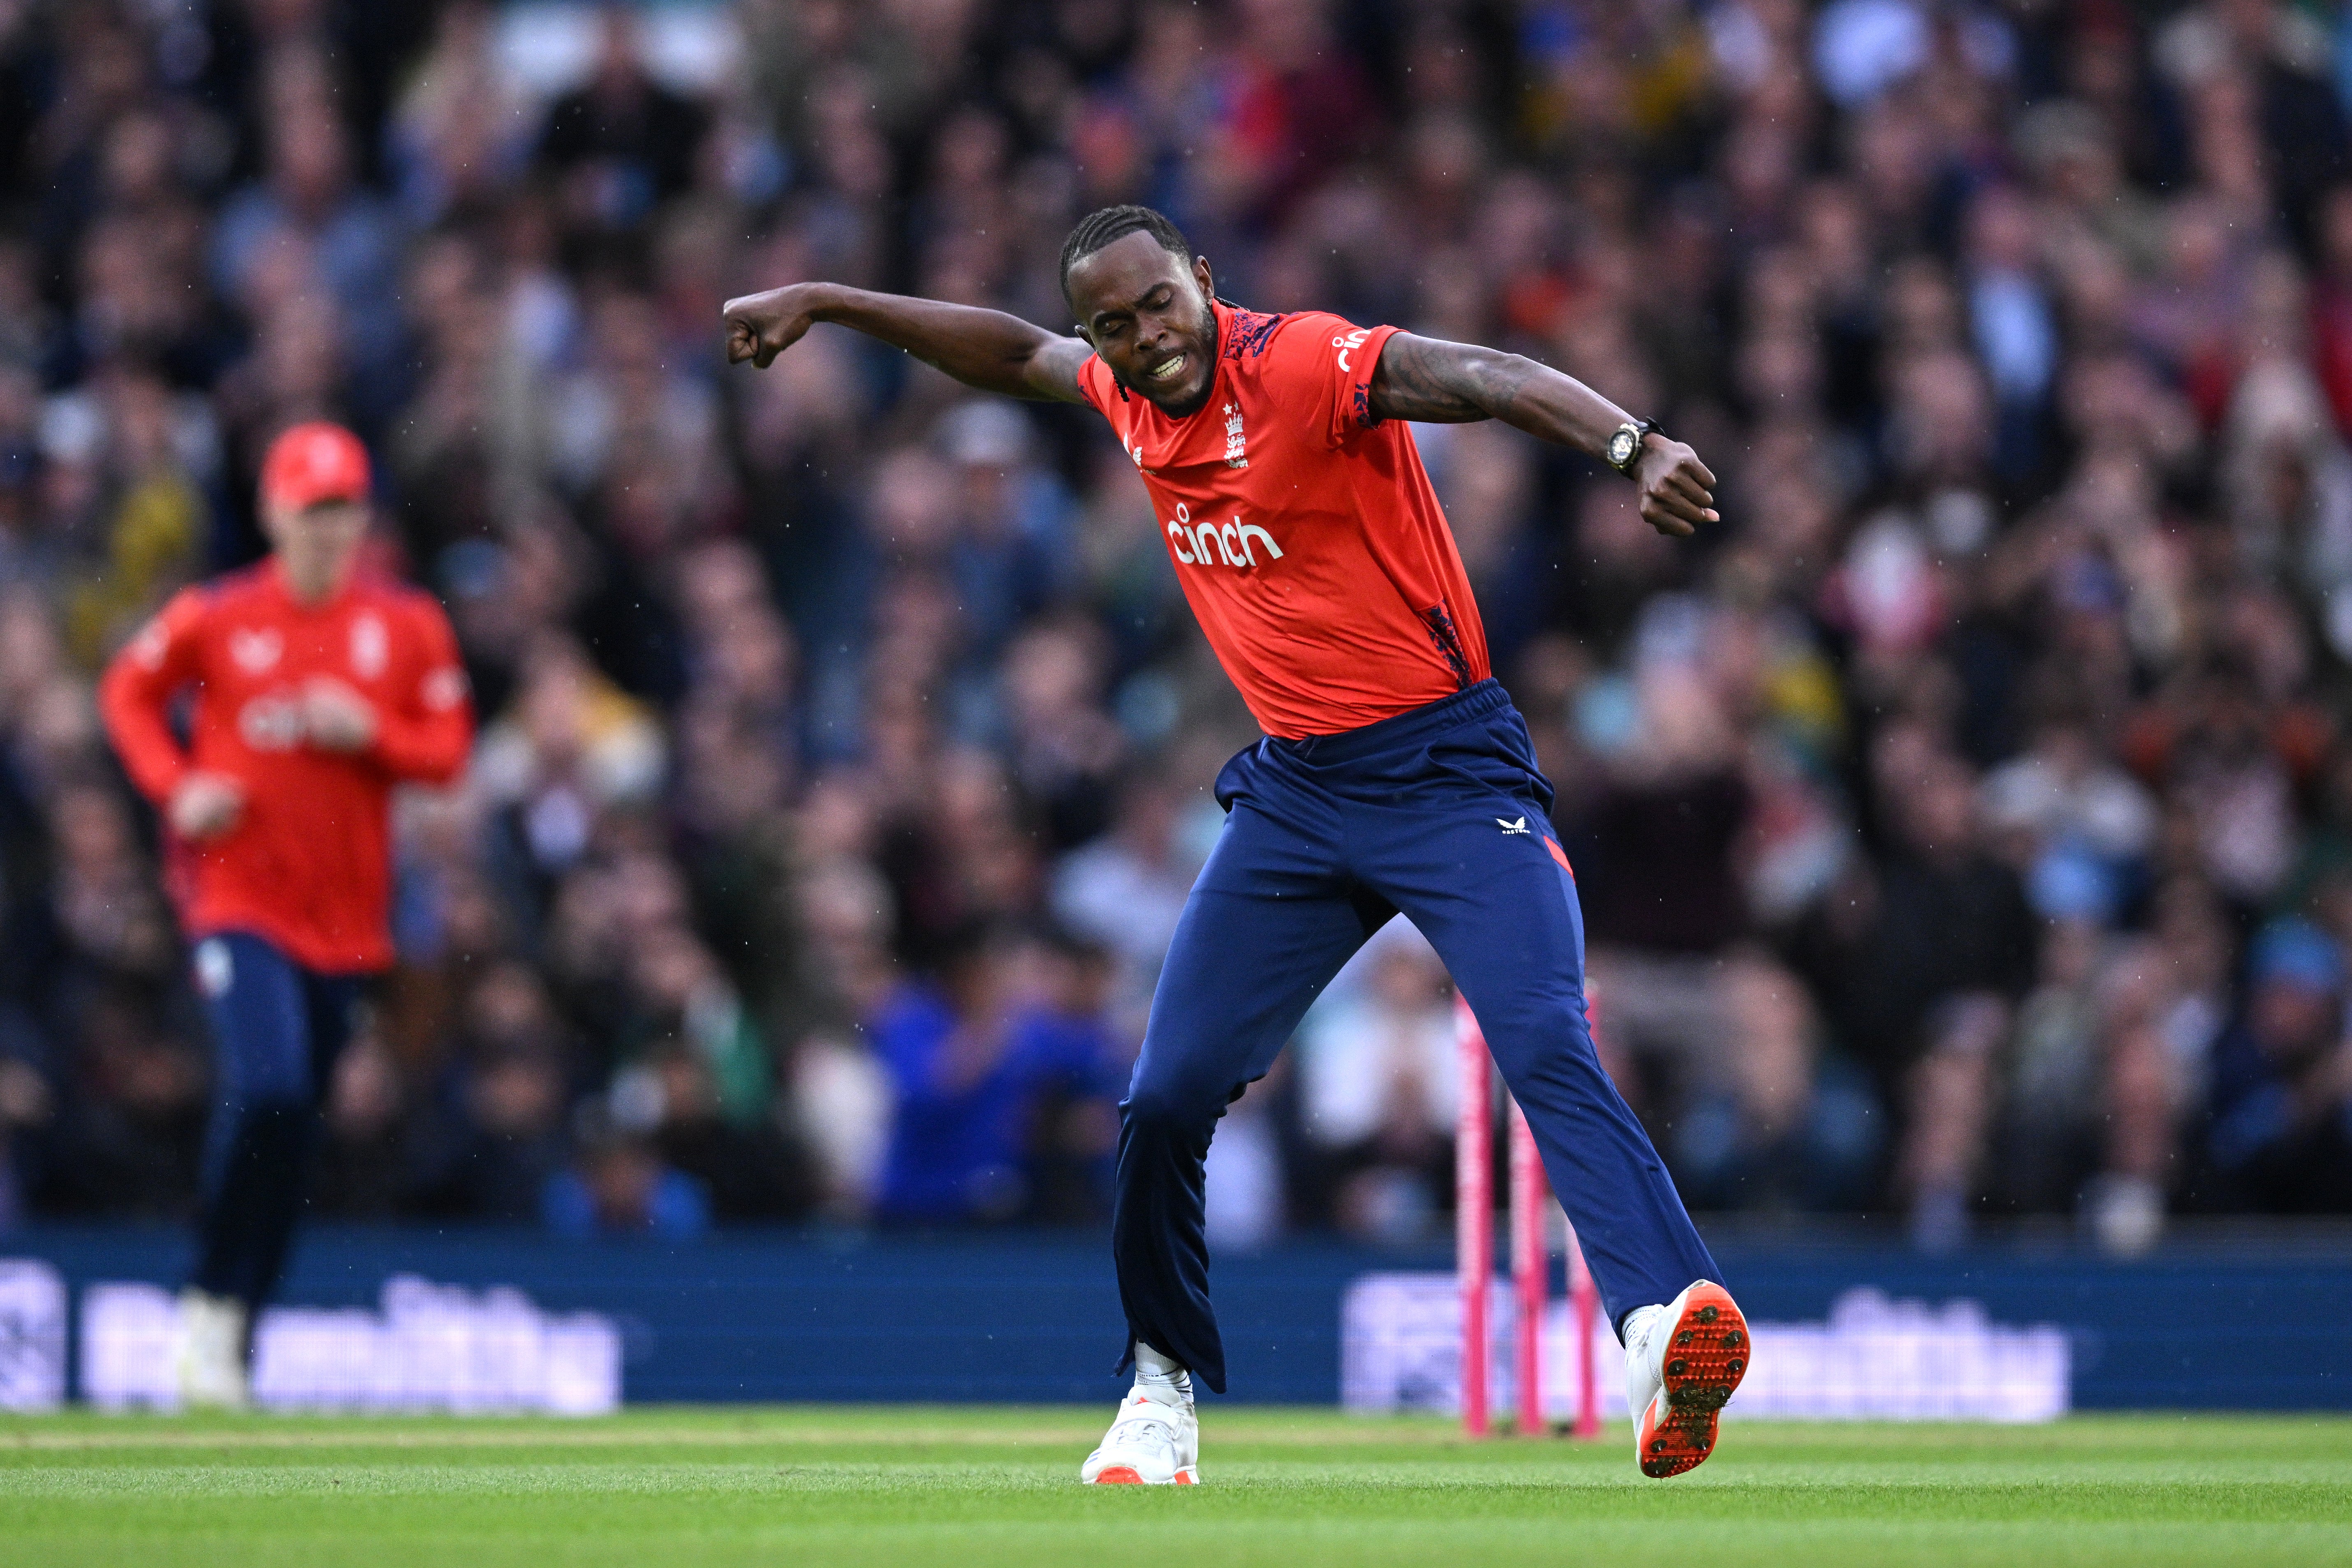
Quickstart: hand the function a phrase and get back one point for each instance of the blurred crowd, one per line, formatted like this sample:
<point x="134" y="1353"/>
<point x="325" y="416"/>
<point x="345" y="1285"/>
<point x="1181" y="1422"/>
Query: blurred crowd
<point x="1964" y="828"/>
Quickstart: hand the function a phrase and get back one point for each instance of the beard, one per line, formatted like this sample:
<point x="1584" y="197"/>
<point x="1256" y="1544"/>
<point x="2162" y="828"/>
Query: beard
<point x="1205" y="345"/>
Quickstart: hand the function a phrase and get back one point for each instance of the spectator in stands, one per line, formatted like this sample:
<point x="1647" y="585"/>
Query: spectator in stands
<point x="990" y="1082"/>
<point x="1929" y="958"/>
<point x="2161" y="1002"/>
<point x="311" y="208"/>
<point x="1779" y="1125"/>
<point x="2279" y="1134"/>
<point x="1126" y="889"/>
<point x="621" y="144"/>
<point x="1378" y="1088"/>
<point x="492" y="1134"/>
<point x="1657" y="853"/>
<point x="365" y="1163"/>
<point x="617" y="1184"/>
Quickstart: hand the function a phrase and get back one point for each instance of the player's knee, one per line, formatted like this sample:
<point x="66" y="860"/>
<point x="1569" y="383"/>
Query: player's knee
<point x="1168" y="1106"/>
<point x="1539" y="1029"/>
<point x="263" y="1084"/>
<point x="1544" y="1010"/>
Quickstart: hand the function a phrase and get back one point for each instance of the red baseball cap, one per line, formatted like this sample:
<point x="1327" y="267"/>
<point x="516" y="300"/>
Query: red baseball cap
<point x="312" y="463"/>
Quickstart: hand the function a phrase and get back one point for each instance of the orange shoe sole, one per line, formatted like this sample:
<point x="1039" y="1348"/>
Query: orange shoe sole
<point x="1707" y="1355"/>
<point x="1124" y="1476"/>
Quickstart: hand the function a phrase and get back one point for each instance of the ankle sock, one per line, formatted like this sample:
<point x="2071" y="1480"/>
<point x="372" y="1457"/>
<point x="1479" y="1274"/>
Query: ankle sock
<point x="1641" y="1325"/>
<point x="1637" y="1322"/>
<point x="1159" y="1379"/>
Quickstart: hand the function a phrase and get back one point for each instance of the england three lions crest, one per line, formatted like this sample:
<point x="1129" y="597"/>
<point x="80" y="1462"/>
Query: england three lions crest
<point x="1236" y="450"/>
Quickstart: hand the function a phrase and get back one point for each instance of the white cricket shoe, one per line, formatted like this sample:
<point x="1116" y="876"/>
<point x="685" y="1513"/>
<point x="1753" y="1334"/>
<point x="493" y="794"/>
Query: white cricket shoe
<point x="1148" y="1444"/>
<point x="212" y="1352"/>
<point x="1682" y="1362"/>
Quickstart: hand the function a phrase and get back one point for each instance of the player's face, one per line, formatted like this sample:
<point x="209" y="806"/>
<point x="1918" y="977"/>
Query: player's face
<point x="1148" y="316"/>
<point x="316" y="544"/>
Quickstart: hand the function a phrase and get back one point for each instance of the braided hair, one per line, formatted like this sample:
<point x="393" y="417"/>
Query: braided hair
<point x="1104" y="225"/>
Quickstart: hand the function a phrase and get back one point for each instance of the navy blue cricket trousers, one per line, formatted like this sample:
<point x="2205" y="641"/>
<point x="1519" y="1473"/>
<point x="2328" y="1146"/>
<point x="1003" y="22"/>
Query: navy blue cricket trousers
<point x="1441" y="813"/>
<point x="278" y="1028"/>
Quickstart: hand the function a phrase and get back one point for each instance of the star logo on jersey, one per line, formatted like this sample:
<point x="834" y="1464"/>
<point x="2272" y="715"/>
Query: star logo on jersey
<point x="1509" y="828"/>
<point x="1236" y="451"/>
<point x="256" y="652"/>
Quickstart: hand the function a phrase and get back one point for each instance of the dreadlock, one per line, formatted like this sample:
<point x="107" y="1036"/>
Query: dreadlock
<point x="1104" y="225"/>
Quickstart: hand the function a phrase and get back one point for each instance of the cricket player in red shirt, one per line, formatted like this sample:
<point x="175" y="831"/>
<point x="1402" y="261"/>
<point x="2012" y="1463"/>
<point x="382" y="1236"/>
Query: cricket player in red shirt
<point x="1395" y="776"/>
<point x="312" y="688"/>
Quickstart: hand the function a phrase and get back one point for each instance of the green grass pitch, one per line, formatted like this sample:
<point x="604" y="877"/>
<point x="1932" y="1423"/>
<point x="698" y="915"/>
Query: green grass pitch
<point x="675" y="1487"/>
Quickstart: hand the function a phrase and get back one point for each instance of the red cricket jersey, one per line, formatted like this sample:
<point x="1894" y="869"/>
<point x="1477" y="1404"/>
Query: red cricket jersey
<point x="1304" y="529"/>
<point x="308" y="863"/>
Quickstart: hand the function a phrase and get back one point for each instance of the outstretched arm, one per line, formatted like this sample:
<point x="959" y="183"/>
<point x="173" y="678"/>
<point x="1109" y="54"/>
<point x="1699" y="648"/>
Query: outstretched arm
<point x="1439" y="382"/>
<point x="986" y="349"/>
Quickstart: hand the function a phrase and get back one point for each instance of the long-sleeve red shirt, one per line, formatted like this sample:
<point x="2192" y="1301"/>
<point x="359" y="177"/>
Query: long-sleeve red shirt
<point x="308" y="865"/>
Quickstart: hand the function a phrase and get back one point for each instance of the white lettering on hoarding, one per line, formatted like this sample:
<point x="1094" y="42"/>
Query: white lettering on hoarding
<point x="1872" y="1360"/>
<point x="32" y="1336"/>
<point x="430" y="1347"/>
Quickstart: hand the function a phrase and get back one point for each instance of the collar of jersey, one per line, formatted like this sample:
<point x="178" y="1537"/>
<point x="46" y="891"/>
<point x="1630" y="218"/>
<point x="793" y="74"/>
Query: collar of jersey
<point x="277" y="585"/>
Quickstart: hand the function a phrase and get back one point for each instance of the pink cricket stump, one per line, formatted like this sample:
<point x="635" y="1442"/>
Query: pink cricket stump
<point x="1529" y="1262"/>
<point x="1473" y="1214"/>
<point x="1473" y="1253"/>
<point x="1583" y="1295"/>
<point x="1584" y="1302"/>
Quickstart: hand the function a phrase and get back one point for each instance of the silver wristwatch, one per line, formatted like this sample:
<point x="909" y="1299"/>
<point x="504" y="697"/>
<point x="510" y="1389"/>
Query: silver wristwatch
<point x="1625" y="444"/>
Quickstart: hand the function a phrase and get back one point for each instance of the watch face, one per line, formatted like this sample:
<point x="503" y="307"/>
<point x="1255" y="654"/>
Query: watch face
<point x="1621" y="447"/>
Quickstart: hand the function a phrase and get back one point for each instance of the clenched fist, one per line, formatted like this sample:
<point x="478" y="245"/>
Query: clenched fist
<point x="761" y="326"/>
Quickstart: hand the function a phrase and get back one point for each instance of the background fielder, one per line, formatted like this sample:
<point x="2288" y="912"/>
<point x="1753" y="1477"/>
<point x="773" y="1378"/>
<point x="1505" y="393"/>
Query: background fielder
<point x="311" y="689"/>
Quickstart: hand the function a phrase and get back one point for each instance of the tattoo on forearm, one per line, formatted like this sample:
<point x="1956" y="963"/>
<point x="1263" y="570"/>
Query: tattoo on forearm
<point x="1438" y="382"/>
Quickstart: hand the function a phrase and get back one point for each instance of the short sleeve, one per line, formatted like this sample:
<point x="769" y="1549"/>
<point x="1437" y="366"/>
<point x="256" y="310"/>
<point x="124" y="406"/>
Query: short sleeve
<point x="1325" y="363"/>
<point x="1096" y="384"/>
